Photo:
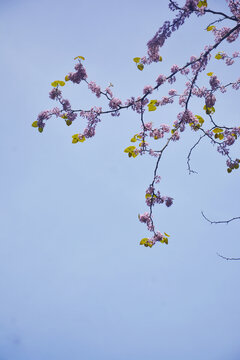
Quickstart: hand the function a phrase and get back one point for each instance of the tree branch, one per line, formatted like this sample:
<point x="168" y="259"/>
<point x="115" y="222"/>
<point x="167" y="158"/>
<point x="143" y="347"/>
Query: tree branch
<point x="221" y="221"/>
<point x="227" y="258"/>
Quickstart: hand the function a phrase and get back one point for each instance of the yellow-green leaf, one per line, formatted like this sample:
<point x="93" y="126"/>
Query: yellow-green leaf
<point x="35" y="124"/>
<point x="74" y="141"/>
<point x="129" y="149"/>
<point x="210" y="28"/>
<point x="133" y="139"/>
<point x="210" y="74"/>
<point x="218" y="56"/>
<point x="40" y="129"/>
<point x="221" y="136"/>
<point x="217" y="130"/>
<point x="54" y="83"/>
<point x="166" y="234"/>
<point x="66" y="78"/>
<point x="200" y="119"/>
<point x="82" y="140"/>
<point x="209" y="110"/>
<point x="136" y="60"/>
<point x="160" y="58"/>
<point x="140" y="67"/>
<point x="61" y="83"/>
<point x="152" y="107"/>
<point x="152" y="102"/>
<point x="79" y="57"/>
<point x="143" y="241"/>
<point x="202" y="3"/>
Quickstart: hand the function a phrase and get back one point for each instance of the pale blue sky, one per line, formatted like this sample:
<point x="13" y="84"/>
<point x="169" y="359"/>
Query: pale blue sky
<point x="75" y="284"/>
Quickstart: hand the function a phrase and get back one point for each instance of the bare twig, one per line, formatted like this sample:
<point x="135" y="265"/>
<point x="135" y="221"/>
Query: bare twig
<point x="227" y="258"/>
<point x="189" y="155"/>
<point x="221" y="221"/>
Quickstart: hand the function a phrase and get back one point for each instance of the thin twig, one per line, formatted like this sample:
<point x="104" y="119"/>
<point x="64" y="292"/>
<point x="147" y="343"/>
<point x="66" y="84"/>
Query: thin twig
<point x="221" y="221"/>
<point x="189" y="155"/>
<point x="227" y="258"/>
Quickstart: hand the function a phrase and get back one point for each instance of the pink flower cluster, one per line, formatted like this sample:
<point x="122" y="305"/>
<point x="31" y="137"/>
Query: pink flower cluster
<point x="153" y="197"/>
<point x="137" y="104"/>
<point x="148" y="89"/>
<point x="115" y="103"/>
<point x="214" y="82"/>
<point x="79" y="75"/>
<point x="234" y="6"/>
<point x="161" y="79"/>
<point x="146" y="218"/>
<point x="93" y="119"/>
<point x="220" y="33"/>
<point x="210" y="100"/>
<point x="94" y="88"/>
<point x="158" y="133"/>
<point x="55" y="93"/>
<point x="184" y="118"/>
<point x="109" y="92"/>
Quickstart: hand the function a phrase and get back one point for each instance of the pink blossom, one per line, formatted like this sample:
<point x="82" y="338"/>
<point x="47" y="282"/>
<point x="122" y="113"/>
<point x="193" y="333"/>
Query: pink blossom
<point x="236" y="85"/>
<point x="172" y="92"/>
<point x="166" y="100"/>
<point x="235" y="54"/>
<point x="157" y="179"/>
<point x="229" y="61"/>
<point x="168" y="201"/>
<point x="148" y="89"/>
<point x="79" y="75"/>
<point x="148" y="126"/>
<point x="94" y="88"/>
<point x="210" y="100"/>
<point x="55" y="93"/>
<point x="165" y="128"/>
<point x="182" y="100"/>
<point x="174" y="68"/>
<point x="109" y="92"/>
<point x="161" y="79"/>
<point x="214" y="82"/>
<point x="158" y="236"/>
<point x="175" y="136"/>
<point x="56" y="111"/>
<point x="115" y="103"/>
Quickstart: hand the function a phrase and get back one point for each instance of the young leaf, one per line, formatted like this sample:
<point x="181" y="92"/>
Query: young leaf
<point x="143" y="241"/>
<point x="54" y="83"/>
<point x="218" y="56"/>
<point x="137" y="60"/>
<point x="210" y="28"/>
<point x="217" y="130"/>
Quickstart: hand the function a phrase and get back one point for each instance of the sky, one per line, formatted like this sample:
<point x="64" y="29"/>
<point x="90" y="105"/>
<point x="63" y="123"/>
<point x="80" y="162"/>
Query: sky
<point x="74" y="282"/>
